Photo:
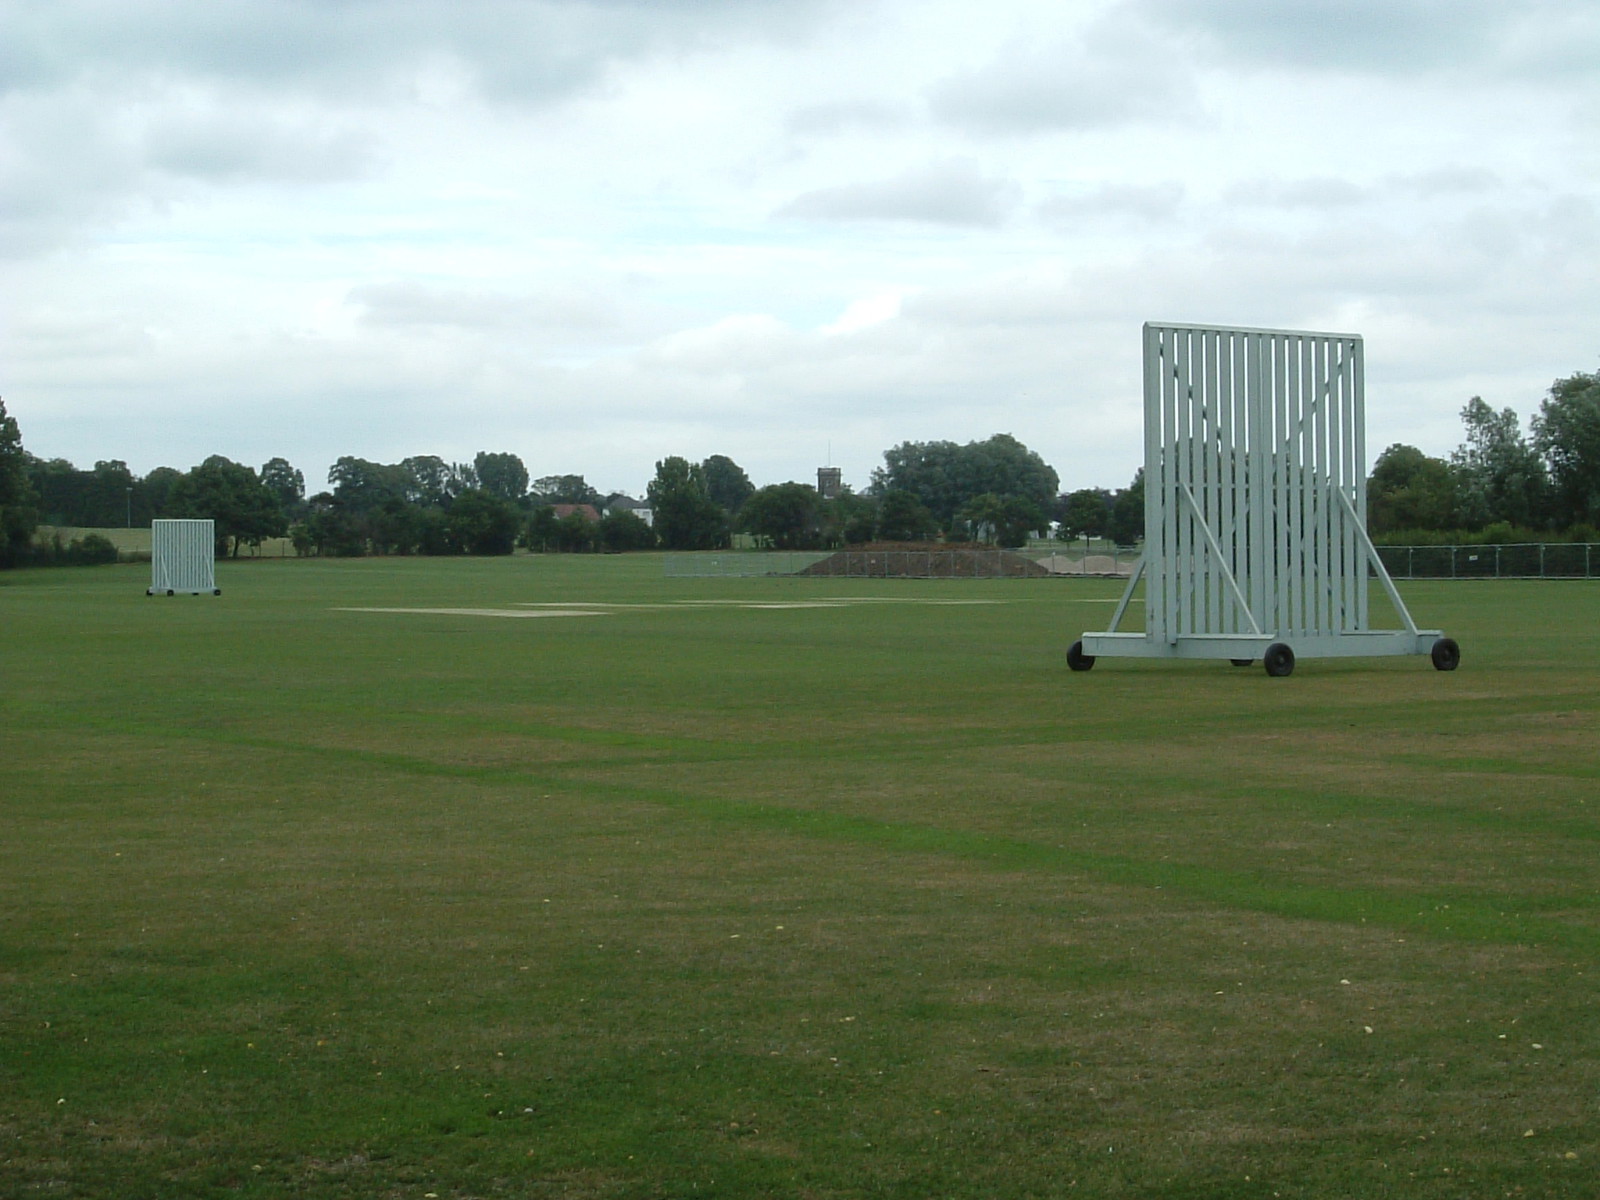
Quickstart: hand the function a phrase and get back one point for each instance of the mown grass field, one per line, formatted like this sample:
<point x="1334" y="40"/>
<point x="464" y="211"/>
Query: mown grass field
<point x="688" y="898"/>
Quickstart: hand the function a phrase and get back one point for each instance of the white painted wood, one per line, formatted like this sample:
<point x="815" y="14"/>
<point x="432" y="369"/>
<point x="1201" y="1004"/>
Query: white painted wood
<point x="1255" y="499"/>
<point x="182" y="556"/>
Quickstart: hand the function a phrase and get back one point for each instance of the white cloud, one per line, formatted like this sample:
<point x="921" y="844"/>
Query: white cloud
<point x="1323" y="193"/>
<point x="1346" y="35"/>
<point x="1114" y="201"/>
<point x="410" y="305"/>
<point x="949" y="192"/>
<point x="233" y="146"/>
<point x="865" y="312"/>
<point x="1113" y="73"/>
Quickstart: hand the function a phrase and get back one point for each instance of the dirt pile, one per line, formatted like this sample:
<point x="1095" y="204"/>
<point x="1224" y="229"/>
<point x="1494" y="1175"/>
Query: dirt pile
<point x="926" y="560"/>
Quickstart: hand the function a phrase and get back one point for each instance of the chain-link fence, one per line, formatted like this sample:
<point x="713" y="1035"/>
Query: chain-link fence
<point x="1519" y="560"/>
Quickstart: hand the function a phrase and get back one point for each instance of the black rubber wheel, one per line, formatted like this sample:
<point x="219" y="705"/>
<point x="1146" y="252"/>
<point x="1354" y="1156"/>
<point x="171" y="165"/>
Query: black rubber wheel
<point x="216" y="591"/>
<point x="1077" y="659"/>
<point x="1241" y="662"/>
<point x="1446" y="654"/>
<point x="1278" y="660"/>
<point x="169" y="591"/>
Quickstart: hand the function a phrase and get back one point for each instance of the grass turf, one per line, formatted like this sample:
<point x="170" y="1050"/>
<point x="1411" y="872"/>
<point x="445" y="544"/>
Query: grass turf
<point x="690" y="898"/>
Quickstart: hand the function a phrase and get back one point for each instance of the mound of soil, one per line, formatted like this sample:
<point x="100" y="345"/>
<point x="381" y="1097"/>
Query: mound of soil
<point x="926" y="560"/>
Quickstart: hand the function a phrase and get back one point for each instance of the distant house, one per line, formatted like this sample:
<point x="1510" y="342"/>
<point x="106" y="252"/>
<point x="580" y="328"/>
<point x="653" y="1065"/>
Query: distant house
<point x="622" y="502"/>
<point x="563" y="511"/>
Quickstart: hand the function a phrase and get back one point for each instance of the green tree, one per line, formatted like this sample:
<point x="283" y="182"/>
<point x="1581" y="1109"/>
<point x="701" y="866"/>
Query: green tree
<point x="727" y="484"/>
<point x="1019" y="517"/>
<point x="904" y="518"/>
<point x="686" y="518"/>
<point x="1003" y="520"/>
<point x="981" y="515"/>
<point x="430" y="481"/>
<point x="280" y="478"/>
<point x="847" y="519"/>
<point x="58" y="488"/>
<point x="542" y="530"/>
<point x="108" y="496"/>
<point x="1499" y="476"/>
<point x="231" y="495"/>
<point x="360" y="486"/>
<point x="501" y="475"/>
<point x="153" y="493"/>
<point x="18" y="516"/>
<point x="1409" y="490"/>
<point x="576" y="533"/>
<point x="1127" y="512"/>
<point x="784" y="516"/>
<point x="483" y="523"/>
<point x="622" y="530"/>
<point x="1085" y="513"/>
<point x="945" y="477"/>
<point x="565" y="489"/>
<point x="1567" y="432"/>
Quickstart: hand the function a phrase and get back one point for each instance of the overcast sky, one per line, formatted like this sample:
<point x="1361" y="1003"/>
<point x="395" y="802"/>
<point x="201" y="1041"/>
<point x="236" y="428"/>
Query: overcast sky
<point x="599" y="232"/>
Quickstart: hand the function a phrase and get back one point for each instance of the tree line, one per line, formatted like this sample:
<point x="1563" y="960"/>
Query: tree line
<point x="995" y="490"/>
<point x="1497" y="484"/>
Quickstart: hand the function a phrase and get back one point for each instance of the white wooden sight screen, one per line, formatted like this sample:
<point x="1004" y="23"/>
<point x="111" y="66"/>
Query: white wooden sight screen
<point x="1255" y="485"/>
<point x="182" y="556"/>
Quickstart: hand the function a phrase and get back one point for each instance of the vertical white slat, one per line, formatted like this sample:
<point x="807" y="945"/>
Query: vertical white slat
<point x="158" y="534"/>
<point x="1244" y="442"/>
<point x="1289" y="532"/>
<point x="1317" y="544"/>
<point x="1211" y="505"/>
<point x="1322" y="536"/>
<point x="1172" y="597"/>
<point x="1227" y="439"/>
<point x="1355" y="573"/>
<point x="1306" y="462"/>
<point x="1333" y="452"/>
<point x="1327" y="468"/>
<point x="1308" y="476"/>
<point x="1195" y="396"/>
<point x="1197" y="442"/>
<point x="1183" y="586"/>
<point x="1310" y="392"/>
<point x="1358" y="378"/>
<point x="1154" y="432"/>
<point x="1281" y="491"/>
<point x="1261" y="556"/>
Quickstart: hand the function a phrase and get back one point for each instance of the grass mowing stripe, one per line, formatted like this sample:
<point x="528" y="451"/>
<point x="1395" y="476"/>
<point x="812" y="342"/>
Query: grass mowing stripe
<point x="1453" y="915"/>
<point x="680" y="750"/>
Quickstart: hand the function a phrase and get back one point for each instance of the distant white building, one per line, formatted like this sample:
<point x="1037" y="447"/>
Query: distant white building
<point x="622" y="502"/>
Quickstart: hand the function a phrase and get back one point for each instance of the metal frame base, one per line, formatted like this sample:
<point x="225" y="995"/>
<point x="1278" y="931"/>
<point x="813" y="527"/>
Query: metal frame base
<point x="1382" y="643"/>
